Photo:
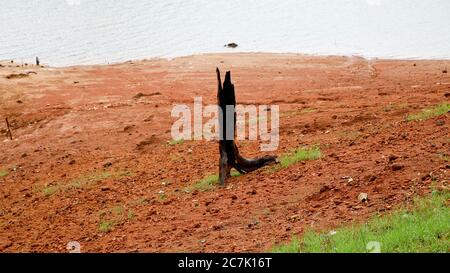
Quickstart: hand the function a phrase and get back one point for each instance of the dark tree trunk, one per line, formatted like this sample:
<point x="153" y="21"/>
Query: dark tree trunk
<point x="229" y="152"/>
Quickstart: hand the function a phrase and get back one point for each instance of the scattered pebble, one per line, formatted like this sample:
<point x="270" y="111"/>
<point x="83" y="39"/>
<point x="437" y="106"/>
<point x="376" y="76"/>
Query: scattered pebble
<point x="397" y="167"/>
<point x="440" y="122"/>
<point x="363" y="197"/>
<point x="392" y="157"/>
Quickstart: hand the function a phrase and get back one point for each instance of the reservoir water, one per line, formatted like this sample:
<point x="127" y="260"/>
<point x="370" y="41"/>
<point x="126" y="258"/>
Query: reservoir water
<point x="71" y="32"/>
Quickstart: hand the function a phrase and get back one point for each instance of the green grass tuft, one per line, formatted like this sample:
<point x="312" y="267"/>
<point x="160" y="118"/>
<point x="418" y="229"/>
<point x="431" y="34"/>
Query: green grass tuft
<point x="432" y="112"/>
<point x="301" y="154"/>
<point x="176" y="142"/>
<point x="425" y="228"/>
<point x="82" y="182"/>
<point x="209" y="182"/>
<point x="49" y="190"/>
<point x="106" y="226"/>
<point x="3" y="173"/>
<point x="445" y="157"/>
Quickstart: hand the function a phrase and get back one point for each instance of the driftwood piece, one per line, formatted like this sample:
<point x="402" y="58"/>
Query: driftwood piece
<point x="229" y="152"/>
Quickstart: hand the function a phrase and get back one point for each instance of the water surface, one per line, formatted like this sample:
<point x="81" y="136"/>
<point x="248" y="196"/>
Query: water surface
<point x="69" y="32"/>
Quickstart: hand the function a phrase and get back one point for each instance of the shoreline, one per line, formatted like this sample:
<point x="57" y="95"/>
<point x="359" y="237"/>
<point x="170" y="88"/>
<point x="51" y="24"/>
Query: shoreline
<point x="418" y="59"/>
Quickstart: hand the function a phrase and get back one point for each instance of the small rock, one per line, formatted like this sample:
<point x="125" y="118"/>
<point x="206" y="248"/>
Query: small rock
<point x="397" y="167"/>
<point x="349" y="179"/>
<point x="233" y="197"/>
<point x="128" y="128"/>
<point x="392" y="157"/>
<point x="447" y="95"/>
<point x="332" y="232"/>
<point x="324" y="188"/>
<point x="4" y="244"/>
<point x="363" y="197"/>
<point x="138" y="95"/>
<point x="19" y="101"/>
<point x="149" y="118"/>
<point x="440" y="122"/>
<point x="252" y="223"/>
<point x="107" y="165"/>
<point x="372" y="178"/>
<point x="105" y="188"/>
<point x="71" y="162"/>
<point x="231" y="45"/>
<point x="218" y="226"/>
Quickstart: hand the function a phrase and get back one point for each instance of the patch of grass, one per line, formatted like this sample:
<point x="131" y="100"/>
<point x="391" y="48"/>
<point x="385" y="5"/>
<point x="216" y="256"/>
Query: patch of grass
<point x="176" y="158"/>
<point x="349" y="135"/>
<point x="292" y="113"/>
<point x="209" y="182"/>
<point x="445" y="157"/>
<point x="162" y="196"/>
<point x="398" y="106"/>
<point x="308" y="110"/>
<point x="106" y="226"/>
<point x="49" y="190"/>
<point x="3" y="173"/>
<point x="82" y="182"/>
<point x="176" y="142"/>
<point x="130" y="214"/>
<point x="428" y="113"/>
<point x="113" y="216"/>
<point x="300" y="154"/>
<point x="118" y="210"/>
<point x="140" y="202"/>
<point x="424" y="228"/>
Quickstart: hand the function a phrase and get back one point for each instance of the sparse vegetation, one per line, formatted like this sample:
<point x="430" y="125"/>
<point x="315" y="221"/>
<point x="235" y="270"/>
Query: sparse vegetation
<point x="349" y="135"/>
<point x="106" y="226"/>
<point x="140" y="202"/>
<point x="445" y="157"/>
<point x="3" y="173"/>
<point x="175" y="142"/>
<point x="162" y="196"/>
<point x="398" y="106"/>
<point x="111" y="217"/>
<point x="300" y="154"/>
<point x="424" y="228"/>
<point x="295" y="112"/>
<point x="308" y="110"/>
<point x="432" y="112"/>
<point x="208" y="182"/>
<point x="131" y="214"/>
<point x="49" y="190"/>
<point x="82" y="182"/>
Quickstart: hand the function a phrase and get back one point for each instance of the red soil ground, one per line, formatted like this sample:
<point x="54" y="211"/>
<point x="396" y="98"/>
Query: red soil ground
<point x="75" y="123"/>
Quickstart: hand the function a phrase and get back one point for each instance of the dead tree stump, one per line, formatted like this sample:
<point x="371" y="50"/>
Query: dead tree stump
<point x="229" y="152"/>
